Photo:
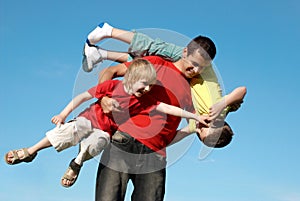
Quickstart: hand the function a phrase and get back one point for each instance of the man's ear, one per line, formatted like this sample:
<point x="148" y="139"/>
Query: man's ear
<point x="184" y="52"/>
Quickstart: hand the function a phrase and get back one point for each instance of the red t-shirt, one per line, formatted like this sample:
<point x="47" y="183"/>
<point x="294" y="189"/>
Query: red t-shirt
<point x="129" y="104"/>
<point x="152" y="128"/>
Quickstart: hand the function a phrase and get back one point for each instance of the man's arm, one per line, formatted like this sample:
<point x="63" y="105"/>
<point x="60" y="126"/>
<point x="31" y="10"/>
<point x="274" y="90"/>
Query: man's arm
<point x="112" y="72"/>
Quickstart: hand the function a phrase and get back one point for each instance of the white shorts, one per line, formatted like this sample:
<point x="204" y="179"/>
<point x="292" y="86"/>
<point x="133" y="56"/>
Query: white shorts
<point x="75" y="131"/>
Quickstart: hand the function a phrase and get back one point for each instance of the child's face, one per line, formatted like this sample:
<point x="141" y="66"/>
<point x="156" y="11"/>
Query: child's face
<point x="204" y="133"/>
<point x="140" y="88"/>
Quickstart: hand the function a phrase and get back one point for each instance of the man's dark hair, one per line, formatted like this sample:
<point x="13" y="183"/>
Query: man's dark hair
<point x="205" y="45"/>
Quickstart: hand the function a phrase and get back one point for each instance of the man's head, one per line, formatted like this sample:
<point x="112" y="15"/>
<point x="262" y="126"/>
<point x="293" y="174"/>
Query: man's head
<point x="139" y="77"/>
<point x="217" y="136"/>
<point x="197" y="55"/>
<point x="203" y="45"/>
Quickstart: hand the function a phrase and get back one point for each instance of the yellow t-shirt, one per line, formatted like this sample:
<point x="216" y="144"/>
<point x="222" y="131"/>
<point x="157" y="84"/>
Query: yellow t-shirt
<point x="206" y="91"/>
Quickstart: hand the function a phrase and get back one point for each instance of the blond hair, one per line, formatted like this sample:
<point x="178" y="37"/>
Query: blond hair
<point x="139" y="69"/>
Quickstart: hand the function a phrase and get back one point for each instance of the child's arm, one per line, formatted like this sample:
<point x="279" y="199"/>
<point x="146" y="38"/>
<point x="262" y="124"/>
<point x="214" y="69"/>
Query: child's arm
<point x="236" y="96"/>
<point x="74" y="103"/>
<point x="182" y="133"/>
<point x="176" y="111"/>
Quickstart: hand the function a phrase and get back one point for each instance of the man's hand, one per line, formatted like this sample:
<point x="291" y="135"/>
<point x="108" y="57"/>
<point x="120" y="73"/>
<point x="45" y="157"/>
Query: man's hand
<point x="110" y="105"/>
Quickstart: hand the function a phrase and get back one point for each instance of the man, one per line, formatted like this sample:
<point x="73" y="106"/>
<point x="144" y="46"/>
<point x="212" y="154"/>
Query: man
<point x="138" y="152"/>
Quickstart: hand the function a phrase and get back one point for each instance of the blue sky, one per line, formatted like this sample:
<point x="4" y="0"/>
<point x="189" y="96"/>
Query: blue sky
<point x="258" y="46"/>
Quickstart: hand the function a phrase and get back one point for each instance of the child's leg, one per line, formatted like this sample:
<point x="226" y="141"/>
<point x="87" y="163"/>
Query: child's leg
<point x="104" y="30"/>
<point x="92" y="146"/>
<point x="143" y="45"/>
<point x="89" y="148"/>
<point x="26" y="154"/>
<point x="120" y="57"/>
<point x="140" y="45"/>
<point x="93" y="55"/>
<point x="44" y="143"/>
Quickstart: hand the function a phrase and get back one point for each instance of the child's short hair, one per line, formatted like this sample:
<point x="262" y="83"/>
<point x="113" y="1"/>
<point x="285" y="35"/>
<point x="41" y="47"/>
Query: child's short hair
<point x="204" y="45"/>
<point x="139" y="69"/>
<point x="218" y="135"/>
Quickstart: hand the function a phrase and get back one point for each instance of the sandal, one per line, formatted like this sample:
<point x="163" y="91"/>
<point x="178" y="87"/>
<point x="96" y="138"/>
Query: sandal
<point x="72" y="167"/>
<point x="16" y="159"/>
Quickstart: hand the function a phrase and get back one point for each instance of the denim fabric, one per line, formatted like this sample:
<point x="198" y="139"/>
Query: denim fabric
<point x="127" y="159"/>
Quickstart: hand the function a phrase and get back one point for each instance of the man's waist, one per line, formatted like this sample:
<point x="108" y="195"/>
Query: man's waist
<point x="124" y="140"/>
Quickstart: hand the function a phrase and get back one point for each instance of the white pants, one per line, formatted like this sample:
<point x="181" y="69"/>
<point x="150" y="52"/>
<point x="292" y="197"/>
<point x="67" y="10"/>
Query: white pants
<point x="92" y="141"/>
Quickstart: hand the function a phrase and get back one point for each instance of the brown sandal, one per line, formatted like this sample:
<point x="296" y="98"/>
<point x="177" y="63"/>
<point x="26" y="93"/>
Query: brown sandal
<point x="16" y="159"/>
<point x="76" y="169"/>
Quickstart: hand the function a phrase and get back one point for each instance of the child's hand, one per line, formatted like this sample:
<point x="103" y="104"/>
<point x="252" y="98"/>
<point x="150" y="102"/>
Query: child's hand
<point x="58" y="120"/>
<point x="216" y="110"/>
<point x="203" y="121"/>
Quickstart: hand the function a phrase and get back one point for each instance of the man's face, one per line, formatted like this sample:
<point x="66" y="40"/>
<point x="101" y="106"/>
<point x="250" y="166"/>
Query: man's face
<point x="194" y="64"/>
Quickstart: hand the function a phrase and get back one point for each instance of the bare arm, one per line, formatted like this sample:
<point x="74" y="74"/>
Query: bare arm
<point x="182" y="133"/>
<point x="235" y="97"/>
<point x="112" y="72"/>
<point x="73" y="104"/>
<point x="176" y="111"/>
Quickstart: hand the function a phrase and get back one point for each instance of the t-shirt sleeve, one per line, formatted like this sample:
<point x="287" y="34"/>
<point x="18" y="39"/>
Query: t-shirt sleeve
<point x="92" y="91"/>
<point x="127" y="63"/>
<point x="103" y="89"/>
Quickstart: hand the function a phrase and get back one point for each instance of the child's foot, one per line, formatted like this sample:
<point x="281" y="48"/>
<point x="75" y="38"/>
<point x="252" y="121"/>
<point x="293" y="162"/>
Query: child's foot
<point x="103" y="30"/>
<point x="17" y="156"/>
<point x="91" y="57"/>
<point x="71" y="174"/>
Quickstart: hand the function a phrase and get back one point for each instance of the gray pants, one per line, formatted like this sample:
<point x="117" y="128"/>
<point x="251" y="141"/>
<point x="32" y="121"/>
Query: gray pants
<point x="127" y="159"/>
<point x="143" y="45"/>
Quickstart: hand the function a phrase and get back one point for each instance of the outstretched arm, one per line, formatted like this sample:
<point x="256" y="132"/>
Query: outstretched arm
<point x="74" y="103"/>
<point x="235" y="97"/>
<point x="176" y="111"/>
<point x="182" y="133"/>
